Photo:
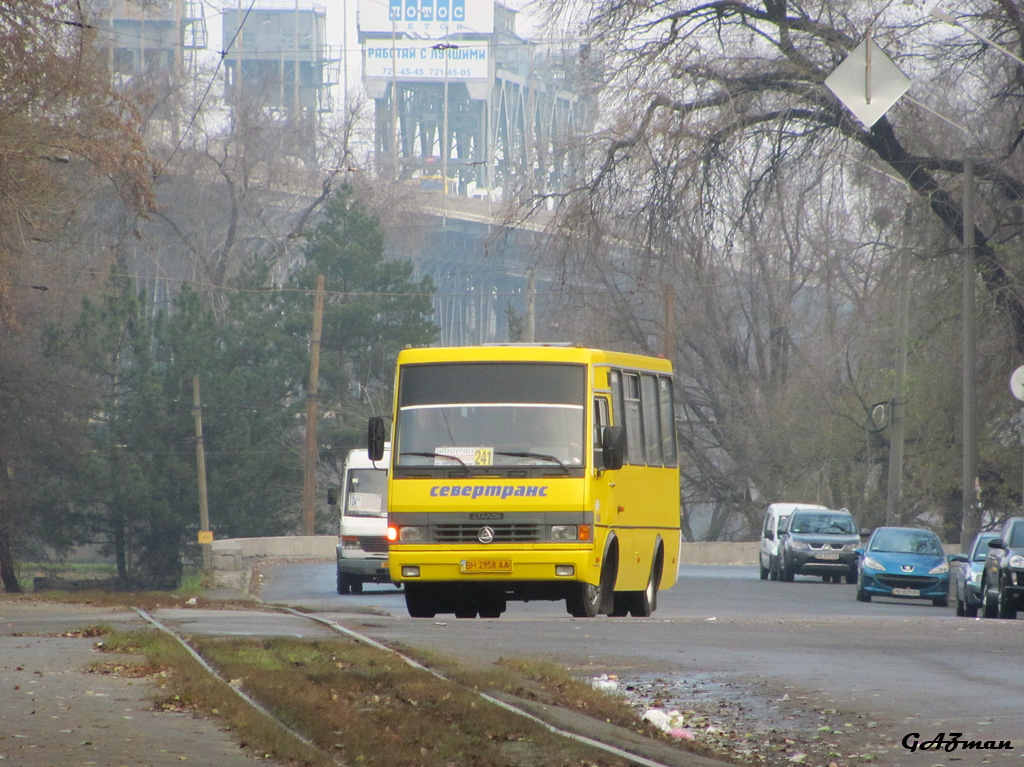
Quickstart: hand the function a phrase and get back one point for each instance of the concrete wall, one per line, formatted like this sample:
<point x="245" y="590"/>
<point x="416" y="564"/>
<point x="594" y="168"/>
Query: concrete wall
<point x="239" y="553"/>
<point x="718" y="553"/>
<point x="234" y="558"/>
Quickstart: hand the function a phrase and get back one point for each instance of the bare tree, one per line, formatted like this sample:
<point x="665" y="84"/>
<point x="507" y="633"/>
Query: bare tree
<point x="64" y="134"/>
<point x="725" y="169"/>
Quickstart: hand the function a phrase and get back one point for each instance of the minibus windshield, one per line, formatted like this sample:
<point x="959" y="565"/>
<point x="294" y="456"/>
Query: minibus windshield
<point x="491" y="414"/>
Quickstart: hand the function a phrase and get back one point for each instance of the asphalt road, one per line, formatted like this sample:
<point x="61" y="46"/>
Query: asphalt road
<point x="893" y="667"/>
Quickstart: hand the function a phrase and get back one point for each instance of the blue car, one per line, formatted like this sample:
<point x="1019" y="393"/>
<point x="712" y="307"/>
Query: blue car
<point x="903" y="563"/>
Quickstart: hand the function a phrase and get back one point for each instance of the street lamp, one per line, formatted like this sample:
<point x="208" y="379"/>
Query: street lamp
<point x="445" y="46"/>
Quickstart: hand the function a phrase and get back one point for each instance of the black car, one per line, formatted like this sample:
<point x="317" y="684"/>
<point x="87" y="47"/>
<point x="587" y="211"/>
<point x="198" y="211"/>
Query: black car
<point x="1002" y="582"/>
<point x="819" y="542"/>
<point x="965" y="579"/>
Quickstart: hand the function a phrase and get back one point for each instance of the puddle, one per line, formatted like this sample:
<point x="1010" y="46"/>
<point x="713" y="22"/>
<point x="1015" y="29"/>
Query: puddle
<point x="745" y="720"/>
<point x="711" y="697"/>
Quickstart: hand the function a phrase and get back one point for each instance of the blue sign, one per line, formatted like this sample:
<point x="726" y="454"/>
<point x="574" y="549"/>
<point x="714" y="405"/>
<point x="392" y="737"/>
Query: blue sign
<point x="427" y="10"/>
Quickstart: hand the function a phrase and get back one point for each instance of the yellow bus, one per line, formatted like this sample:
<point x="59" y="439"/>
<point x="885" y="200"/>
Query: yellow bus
<point x="531" y="472"/>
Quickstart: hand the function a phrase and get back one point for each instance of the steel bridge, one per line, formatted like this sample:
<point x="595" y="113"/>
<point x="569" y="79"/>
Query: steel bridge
<point x="487" y="115"/>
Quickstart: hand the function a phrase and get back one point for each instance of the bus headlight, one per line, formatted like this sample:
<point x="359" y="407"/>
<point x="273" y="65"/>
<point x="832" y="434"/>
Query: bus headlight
<point x="411" y="534"/>
<point x="563" y="533"/>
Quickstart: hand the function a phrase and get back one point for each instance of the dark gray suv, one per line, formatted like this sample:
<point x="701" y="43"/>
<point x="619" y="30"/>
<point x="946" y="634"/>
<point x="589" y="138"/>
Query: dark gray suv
<point x="821" y="543"/>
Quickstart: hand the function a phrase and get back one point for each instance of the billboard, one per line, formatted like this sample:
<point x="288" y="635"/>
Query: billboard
<point x="426" y="18"/>
<point x="420" y="60"/>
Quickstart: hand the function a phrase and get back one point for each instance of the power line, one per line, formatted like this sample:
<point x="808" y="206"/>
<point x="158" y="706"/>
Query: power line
<point x="206" y="93"/>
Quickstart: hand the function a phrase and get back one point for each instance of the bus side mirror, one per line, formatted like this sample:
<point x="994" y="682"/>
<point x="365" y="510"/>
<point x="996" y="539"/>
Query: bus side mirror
<point x="375" y="439"/>
<point x="332" y="496"/>
<point x="613" y="447"/>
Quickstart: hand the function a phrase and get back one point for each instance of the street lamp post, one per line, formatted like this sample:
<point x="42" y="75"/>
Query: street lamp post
<point x="445" y="46"/>
<point x="971" y="513"/>
<point x="868" y="83"/>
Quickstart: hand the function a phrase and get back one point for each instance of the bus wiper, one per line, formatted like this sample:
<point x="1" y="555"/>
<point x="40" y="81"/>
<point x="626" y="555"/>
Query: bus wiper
<point x="539" y="456"/>
<point x="439" y="455"/>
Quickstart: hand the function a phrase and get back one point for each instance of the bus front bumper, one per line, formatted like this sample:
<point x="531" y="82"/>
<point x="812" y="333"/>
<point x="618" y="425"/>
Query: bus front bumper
<point x="566" y="565"/>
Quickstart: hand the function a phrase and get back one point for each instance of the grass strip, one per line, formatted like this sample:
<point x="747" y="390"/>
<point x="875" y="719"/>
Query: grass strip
<point x="358" y="704"/>
<point x="183" y="685"/>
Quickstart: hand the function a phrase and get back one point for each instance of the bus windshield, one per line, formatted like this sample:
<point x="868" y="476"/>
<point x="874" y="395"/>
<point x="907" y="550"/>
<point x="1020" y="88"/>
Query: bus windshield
<point x="491" y="414"/>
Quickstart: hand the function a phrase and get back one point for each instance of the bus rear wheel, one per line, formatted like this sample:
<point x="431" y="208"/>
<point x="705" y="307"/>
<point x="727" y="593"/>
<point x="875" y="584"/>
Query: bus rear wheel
<point x="584" y="601"/>
<point x="639" y="604"/>
<point x="492" y="606"/>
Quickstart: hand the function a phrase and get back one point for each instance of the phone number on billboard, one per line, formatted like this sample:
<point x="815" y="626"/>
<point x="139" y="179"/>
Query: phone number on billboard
<point x="453" y="72"/>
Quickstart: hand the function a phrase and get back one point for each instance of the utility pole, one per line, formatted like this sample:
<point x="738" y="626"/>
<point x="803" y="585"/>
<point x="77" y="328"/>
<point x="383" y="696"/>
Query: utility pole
<point x="531" y="318"/>
<point x="311" y="454"/>
<point x="394" y="104"/>
<point x="971" y="511"/>
<point x="670" y="322"/>
<point x="895" y="489"/>
<point x="205" y="535"/>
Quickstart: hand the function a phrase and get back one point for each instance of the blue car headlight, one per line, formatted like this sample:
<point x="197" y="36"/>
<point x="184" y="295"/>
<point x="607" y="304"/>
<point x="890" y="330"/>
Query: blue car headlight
<point x="873" y="564"/>
<point x="939" y="569"/>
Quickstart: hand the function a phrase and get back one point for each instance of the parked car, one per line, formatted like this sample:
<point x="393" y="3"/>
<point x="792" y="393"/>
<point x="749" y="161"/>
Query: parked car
<point x="819" y="542"/>
<point x="904" y="563"/>
<point x="1002" y="581"/>
<point x="965" y="575"/>
<point x="775" y="518"/>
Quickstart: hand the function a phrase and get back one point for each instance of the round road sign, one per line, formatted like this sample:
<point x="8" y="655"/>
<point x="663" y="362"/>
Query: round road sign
<point x="1017" y="383"/>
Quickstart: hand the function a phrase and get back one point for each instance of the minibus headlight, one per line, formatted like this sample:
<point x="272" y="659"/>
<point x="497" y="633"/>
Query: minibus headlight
<point x="350" y="542"/>
<point x="411" y="534"/>
<point x="563" y="533"/>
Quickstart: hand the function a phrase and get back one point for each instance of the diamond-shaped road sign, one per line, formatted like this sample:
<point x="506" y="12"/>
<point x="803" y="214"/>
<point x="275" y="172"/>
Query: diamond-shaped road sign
<point x="868" y="82"/>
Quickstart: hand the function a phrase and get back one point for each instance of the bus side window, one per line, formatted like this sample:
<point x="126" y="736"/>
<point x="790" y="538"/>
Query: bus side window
<point x="651" y="421"/>
<point x="634" y="427"/>
<point x="668" y="420"/>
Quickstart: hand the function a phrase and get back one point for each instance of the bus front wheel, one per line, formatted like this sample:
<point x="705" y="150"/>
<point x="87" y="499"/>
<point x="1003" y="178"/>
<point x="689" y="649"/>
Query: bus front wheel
<point x="584" y="601"/>
<point x="420" y="602"/>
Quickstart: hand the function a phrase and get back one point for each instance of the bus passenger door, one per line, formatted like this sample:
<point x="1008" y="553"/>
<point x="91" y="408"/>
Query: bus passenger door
<point x="603" y="485"/>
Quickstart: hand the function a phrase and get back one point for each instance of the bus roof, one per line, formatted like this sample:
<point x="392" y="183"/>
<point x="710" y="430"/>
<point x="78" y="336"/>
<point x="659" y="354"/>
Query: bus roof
<point x="532" y="353"/>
